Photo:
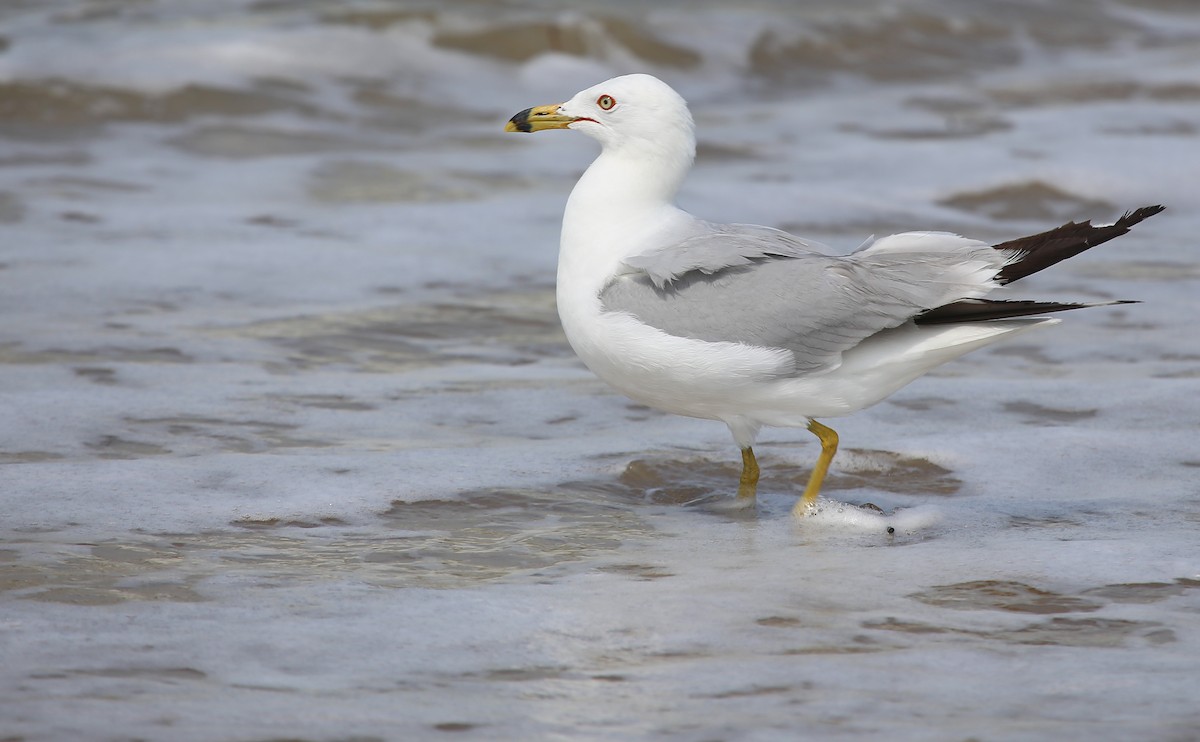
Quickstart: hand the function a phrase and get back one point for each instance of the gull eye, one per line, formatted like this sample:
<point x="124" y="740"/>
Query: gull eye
<point x="606" y="102"/>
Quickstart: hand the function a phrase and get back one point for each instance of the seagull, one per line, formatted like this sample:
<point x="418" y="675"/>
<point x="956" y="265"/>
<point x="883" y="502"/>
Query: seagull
<point x="750" y="325"/>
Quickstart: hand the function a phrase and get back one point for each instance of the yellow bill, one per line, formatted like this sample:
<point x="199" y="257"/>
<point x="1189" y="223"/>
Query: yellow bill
<point x="540" y="118"/>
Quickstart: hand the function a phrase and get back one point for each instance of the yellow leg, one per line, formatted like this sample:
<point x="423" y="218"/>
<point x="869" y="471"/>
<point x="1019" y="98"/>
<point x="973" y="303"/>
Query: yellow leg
<point x="748" y="484"/>
<point x="829" y="444"/>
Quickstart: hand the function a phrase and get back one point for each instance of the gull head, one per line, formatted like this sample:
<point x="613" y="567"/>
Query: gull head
<point x="632" y="112"/>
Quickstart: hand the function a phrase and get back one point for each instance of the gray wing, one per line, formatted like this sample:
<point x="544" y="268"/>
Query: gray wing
<point x="724" y="246"/>
<point x="743" y="288"/>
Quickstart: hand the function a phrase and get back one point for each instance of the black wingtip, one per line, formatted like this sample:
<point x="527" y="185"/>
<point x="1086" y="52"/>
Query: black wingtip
<point x="1040" y="251"/>
<point x="983" y="310"/>
<point x="1131" y="218"/>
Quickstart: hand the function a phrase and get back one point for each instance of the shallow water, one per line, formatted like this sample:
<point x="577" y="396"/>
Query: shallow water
<point x="292" y="446"/>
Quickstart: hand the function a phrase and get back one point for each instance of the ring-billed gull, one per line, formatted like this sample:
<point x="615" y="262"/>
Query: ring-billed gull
<point x="751" y="325"/>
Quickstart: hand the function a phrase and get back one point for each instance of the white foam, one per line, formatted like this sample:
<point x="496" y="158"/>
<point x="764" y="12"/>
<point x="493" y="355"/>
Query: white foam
<point x="838" y="516"/>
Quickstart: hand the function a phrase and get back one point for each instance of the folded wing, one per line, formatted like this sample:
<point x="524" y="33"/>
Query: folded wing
<point x="765" y="288"/>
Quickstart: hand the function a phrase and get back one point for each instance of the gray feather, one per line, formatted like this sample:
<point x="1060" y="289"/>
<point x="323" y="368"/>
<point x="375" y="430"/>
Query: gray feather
<point x="726" y="246"/>
<point x="731" y="288"/>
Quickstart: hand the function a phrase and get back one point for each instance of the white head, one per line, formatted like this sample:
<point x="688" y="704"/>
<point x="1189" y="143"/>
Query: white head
<point x="635" y="114"/>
